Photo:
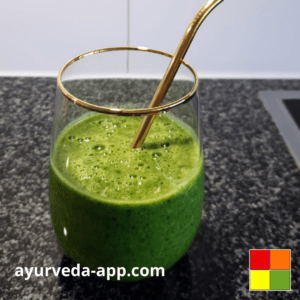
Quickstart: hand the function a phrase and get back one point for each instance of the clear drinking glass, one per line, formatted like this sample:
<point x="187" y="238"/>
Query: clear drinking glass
<point x="112" y="206"/>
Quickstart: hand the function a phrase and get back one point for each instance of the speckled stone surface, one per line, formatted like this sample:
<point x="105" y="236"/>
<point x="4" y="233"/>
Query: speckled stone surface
<point x="252" y="199"/>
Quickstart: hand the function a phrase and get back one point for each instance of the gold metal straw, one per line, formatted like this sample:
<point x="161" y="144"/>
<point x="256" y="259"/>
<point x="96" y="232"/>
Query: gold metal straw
<point x="172" y="69"/>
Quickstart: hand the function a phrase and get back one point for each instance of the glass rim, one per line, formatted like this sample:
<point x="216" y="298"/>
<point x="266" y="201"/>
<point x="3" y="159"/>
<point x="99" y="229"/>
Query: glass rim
<point x="120" y="111"/>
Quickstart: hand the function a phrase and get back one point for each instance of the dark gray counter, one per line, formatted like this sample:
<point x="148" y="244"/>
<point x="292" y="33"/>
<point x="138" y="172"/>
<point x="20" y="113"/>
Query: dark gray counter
<point x="251" y="199"/>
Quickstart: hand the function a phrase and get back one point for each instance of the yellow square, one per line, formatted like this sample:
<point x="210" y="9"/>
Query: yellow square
<point x="259" y="280"/>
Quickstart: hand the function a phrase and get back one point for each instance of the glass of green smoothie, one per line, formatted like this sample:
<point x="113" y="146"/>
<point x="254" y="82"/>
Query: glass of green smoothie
<point x="112" y="206"/>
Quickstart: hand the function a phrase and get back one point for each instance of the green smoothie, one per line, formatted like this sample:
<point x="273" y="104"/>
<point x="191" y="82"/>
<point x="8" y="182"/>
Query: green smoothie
<point x="115" y="207"/>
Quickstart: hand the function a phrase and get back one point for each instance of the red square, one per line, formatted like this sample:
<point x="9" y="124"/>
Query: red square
<point x="259" y="259"/>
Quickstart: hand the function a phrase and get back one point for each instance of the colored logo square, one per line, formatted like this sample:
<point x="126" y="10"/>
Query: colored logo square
<point x="280" y="259"/>
<point x="280" y="280"/>
<point x="270" y="270"/>
<point x="259" y="259"/>
<point x="259" y="280"/>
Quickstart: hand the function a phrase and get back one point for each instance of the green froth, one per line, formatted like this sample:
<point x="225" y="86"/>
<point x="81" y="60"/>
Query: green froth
<point x="96" y="156"/>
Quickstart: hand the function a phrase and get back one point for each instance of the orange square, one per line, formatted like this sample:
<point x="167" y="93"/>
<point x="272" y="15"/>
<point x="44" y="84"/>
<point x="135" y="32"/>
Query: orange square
<point x="280" y="259"/>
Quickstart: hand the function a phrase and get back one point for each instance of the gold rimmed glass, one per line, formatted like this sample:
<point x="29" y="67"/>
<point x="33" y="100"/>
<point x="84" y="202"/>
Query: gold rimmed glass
<point x="119" y="73"/>
<point x="112" y="206"/>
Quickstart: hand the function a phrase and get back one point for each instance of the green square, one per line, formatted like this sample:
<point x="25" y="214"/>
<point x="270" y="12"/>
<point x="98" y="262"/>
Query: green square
<point x="280" y="280"/>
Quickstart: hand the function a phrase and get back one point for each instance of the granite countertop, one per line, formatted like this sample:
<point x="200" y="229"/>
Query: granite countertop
<point x="251" y="199"/>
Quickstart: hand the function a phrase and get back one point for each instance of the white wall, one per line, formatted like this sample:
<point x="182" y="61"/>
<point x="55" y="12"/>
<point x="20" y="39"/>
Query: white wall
<point x="243" y="38"/>
<point x="38" y="37"/>
<point x="240" y="38"/>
